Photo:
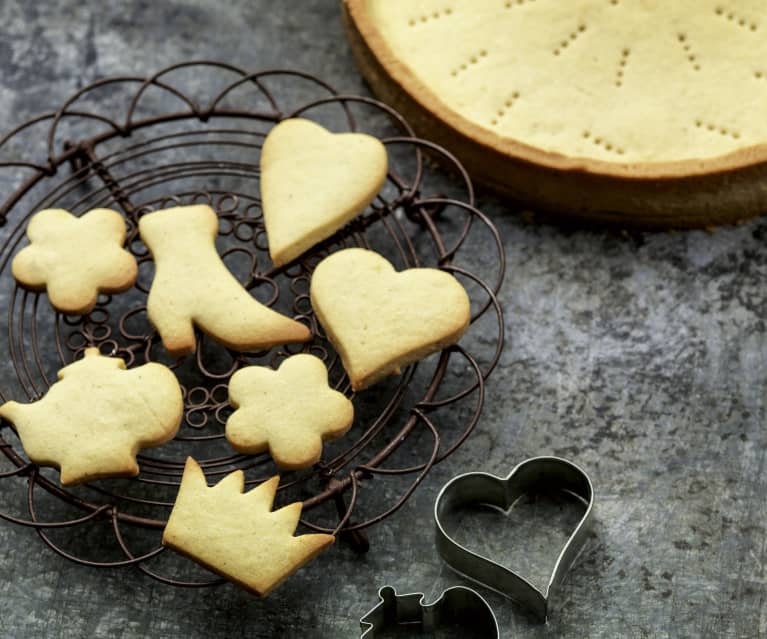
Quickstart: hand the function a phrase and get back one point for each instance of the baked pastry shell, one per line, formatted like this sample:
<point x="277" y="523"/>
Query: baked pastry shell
<point x="692" y="193"/>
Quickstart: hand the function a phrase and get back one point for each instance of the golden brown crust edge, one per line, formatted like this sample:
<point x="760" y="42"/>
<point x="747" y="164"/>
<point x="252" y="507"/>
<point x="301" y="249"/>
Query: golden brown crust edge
<point x="365" y="379"/>
<point x="685" y="194"/>
<point x="169" y="541"/>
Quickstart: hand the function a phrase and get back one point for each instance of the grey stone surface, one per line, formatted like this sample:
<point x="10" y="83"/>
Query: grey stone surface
<point x="641" y="357"/>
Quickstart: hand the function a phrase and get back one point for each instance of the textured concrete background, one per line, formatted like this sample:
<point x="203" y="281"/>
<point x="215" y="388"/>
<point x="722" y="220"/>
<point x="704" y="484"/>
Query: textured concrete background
<point x="643" y="358"/>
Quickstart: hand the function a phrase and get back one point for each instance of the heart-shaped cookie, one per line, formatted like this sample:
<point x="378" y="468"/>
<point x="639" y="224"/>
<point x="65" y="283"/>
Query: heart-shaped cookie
<point x="483" y="488"/>
<point x="380" y="320"/>
<point x="313" y="182"/>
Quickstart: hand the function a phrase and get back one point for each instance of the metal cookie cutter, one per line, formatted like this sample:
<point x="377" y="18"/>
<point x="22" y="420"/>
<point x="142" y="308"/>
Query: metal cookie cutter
<point x="483" y="488"/>
<point x="457" y="605"/>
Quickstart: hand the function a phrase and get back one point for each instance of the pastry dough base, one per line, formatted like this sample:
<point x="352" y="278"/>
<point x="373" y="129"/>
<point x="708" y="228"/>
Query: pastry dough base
<point x="660" y="195"/>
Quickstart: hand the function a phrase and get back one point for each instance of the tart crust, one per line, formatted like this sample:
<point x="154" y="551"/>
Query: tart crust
<point x="661" y="195"/>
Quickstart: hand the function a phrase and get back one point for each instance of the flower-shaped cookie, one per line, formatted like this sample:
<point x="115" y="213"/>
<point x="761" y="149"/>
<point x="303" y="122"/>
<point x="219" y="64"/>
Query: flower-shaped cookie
<point x="75" y="258"/>
<point x="290" y="411"/>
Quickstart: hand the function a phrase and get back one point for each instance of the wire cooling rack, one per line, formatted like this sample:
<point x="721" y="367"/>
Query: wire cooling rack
<point x="137" y="144"/>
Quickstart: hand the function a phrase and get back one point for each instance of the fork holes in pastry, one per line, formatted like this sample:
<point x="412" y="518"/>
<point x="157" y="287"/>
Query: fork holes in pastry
<point x="508" y="103"/>
<point x="472" y="60"/>
<point x="740" y="20"/>
<point x="687" y="48"/>
<point x="569" y="39"/>
<point x="622" y="62"/>
<point x="721" y="129"/>
<point x="601" y="142"/>
<point x="435" y="15"/>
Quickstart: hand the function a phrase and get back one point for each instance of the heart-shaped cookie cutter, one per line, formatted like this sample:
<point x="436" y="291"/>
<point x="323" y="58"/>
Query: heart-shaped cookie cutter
<point x="537" y="473"/>
<point x="455" y="605"/>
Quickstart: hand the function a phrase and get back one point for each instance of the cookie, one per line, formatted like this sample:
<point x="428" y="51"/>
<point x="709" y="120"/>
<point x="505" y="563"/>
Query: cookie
<point x="313" y="182"/>
<point x="92" y="422"/>
<point x="75" y="258"/>
<point x="288" y="412"/>
<point x="380" y="320"/>
<point x="192" y="287"/>
<point x="236" y="534"/>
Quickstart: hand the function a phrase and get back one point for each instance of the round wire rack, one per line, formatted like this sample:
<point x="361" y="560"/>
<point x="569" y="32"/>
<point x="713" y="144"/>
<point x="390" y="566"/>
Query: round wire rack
<point x="137" y="144"/>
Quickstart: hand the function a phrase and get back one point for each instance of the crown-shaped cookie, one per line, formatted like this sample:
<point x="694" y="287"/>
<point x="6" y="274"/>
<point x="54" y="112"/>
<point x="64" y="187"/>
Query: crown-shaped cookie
<point x="236" y="534"/>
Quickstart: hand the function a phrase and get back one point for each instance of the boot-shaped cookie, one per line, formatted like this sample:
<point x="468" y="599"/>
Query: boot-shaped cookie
<point x="192" y="287"/>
